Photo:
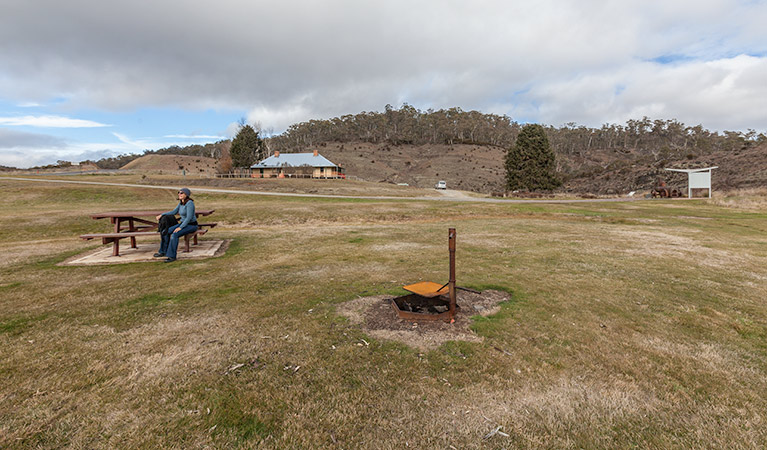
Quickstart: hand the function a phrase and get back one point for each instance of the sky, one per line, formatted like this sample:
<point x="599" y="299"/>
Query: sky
<point x="85" y="80"/>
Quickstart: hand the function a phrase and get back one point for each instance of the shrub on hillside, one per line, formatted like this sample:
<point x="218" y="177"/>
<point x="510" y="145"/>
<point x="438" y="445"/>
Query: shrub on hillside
<point x="530" y="162"/>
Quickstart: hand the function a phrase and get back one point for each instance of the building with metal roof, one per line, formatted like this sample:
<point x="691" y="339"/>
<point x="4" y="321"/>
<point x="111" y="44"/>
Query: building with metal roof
<point x="298" y="165"/>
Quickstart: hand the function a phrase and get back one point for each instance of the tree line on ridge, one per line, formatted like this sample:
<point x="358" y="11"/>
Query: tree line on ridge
<point x="659" y="138"/>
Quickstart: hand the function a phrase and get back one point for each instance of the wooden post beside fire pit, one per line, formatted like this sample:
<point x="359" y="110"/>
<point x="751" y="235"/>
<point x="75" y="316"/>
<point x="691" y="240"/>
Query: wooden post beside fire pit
<point x="429" y="300"/>
<point x="451" y="282"/>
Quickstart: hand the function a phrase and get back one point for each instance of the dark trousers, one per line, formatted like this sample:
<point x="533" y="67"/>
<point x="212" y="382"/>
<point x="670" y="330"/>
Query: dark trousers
<point x="169" y="239"/>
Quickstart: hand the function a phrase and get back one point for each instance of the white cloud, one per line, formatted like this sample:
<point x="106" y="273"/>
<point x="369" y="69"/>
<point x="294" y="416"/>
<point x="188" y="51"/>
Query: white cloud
<point x="12" y="139"/>
<point x="40" y="156"/>
<point x="232" y="129"/>
<point x="194" y="136"/>
<point x="23" y="150"/>
<point x="551" y="60"/>
<point x="49" y="122"/>
<point x="42" y="152"/>
<point x="280" y="116"/>
<point x="134" y="143"/>
<point x="727" y="92"/>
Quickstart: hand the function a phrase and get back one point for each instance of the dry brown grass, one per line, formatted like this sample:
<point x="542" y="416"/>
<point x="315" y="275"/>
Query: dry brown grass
<point x="754" y="199"/>
<point x="637" y="325"/>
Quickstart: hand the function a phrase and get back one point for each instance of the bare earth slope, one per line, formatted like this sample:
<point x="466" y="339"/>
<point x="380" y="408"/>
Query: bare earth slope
<point x="191" y="164"/>
<point x="464" y="167"/>
<point x="481" y="168"/>
<point x="600" y="171"/>
<point x="611" y="172"/>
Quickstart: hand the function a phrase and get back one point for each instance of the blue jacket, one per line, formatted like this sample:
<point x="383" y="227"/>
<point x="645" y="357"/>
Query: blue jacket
<point x="186" y="212"/>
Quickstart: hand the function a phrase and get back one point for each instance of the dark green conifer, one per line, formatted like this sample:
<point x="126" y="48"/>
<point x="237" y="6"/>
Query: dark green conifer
<point x="247" y="147"/>
<point x="530" y="164"/>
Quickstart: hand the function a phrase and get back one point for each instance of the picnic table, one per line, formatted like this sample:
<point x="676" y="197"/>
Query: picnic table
<point x="129" y="225"/>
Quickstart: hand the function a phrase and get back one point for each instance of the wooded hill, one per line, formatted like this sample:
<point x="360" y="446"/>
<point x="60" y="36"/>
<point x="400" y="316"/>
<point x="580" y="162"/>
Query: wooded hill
<point x="408" y="125"/>
<point x="467" y="148"/>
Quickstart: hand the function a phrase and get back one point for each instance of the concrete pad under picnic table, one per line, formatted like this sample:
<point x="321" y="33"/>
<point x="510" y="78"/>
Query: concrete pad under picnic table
<point x="144" y="252"/>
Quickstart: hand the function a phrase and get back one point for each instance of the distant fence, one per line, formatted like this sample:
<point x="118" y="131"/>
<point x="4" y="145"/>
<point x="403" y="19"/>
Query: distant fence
<point x="251" y="174"/>
<point x="235" y="174"/>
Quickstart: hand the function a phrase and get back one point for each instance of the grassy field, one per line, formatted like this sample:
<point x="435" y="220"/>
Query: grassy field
<point x="349" y="187"/>
<point x="638" y="324"/>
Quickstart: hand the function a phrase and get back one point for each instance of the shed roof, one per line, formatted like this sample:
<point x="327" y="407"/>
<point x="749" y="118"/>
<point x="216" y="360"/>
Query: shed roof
<point x="293" y="160"/>
<point x="707" y="169"/>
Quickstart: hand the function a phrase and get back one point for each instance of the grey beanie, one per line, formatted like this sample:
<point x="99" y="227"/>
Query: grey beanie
<point x="186" y="191"/>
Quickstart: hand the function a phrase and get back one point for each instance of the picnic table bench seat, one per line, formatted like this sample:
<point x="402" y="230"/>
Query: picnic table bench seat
<point x="115" y="237"/>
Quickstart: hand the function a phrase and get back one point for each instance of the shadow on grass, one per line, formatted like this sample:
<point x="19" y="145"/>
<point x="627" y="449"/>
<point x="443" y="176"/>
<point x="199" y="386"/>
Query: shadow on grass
<point x="139" y="310"/>
<point x="52" y="261"/>
<point x="232" y="414"/>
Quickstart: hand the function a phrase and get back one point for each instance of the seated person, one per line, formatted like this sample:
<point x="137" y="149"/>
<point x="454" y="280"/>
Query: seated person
<point x="169" y="238"/>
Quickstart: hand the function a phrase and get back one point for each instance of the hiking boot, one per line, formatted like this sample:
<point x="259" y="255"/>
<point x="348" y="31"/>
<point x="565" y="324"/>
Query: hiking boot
<point x="170" y="260"/>
<point x="158" y="255"/>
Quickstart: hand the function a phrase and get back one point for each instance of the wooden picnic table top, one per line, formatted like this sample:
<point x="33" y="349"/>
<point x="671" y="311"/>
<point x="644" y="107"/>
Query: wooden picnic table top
<point x="129" y="214"/>
<point x="127" y="224"/>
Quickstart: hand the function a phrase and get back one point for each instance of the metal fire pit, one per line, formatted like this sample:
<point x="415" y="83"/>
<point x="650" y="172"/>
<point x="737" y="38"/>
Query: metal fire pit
<point x="428" y="301"/>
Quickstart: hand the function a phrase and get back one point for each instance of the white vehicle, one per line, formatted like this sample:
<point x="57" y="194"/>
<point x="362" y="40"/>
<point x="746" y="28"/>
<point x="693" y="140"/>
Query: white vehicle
<point x="440" y="185"/>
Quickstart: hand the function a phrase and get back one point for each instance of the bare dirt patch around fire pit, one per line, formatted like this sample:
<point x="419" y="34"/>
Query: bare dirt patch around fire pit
<point x="377" y="318"/>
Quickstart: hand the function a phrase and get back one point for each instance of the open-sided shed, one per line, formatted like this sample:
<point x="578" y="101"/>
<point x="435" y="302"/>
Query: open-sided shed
<point x="697" y="179"/>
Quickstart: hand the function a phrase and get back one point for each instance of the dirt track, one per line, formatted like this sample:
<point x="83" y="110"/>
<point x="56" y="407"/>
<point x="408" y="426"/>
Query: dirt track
<point x="445" y="197"/>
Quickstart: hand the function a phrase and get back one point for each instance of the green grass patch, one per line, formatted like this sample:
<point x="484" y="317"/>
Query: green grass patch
<point x="235" y="415"/>
<point x="52" y="262"/>
<point x="17" y="325"/>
